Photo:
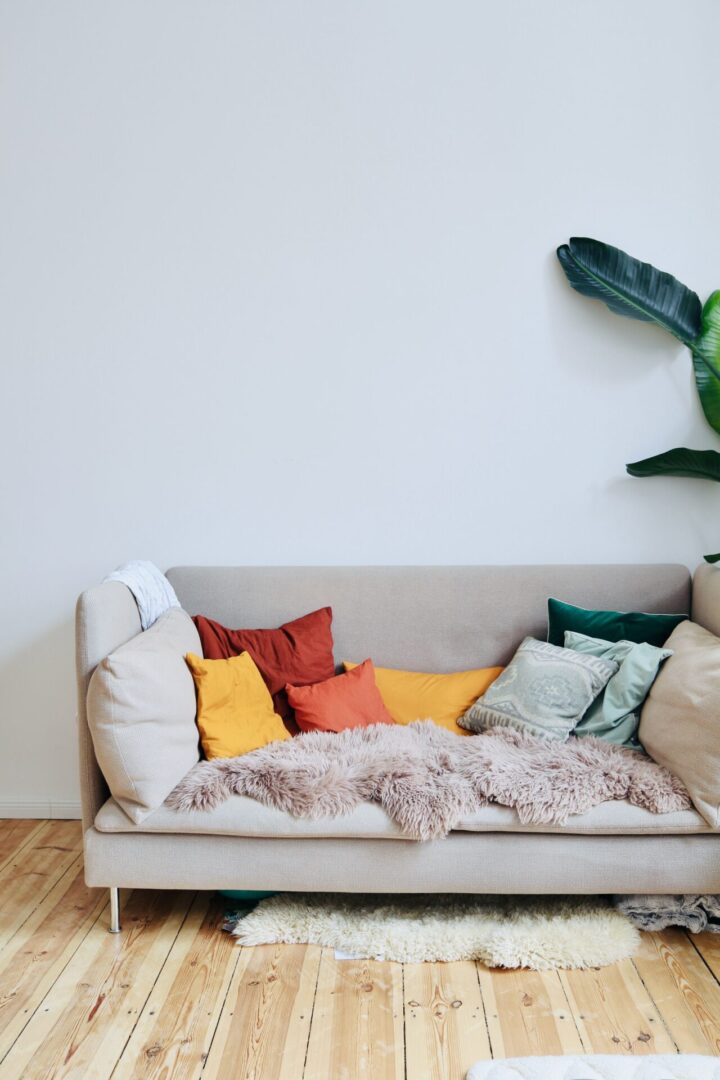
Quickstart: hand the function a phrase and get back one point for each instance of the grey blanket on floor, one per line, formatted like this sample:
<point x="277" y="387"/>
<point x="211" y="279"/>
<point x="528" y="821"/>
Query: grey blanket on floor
<point x="693" y="913"/>
<point x="428" y="779"/>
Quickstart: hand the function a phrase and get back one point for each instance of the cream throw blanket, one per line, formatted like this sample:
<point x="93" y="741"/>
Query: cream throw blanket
<point x="153" y="592"/>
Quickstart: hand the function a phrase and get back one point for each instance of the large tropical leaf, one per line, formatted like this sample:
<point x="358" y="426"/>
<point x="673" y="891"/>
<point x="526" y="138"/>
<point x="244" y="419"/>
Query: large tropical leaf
<point x="706" y="361"/>
<point x="630" y="287"/>
<point x="697" y="464"/>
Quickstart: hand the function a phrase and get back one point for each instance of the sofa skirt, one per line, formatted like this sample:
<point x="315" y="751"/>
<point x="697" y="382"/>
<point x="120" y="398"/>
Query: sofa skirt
<point x="462" y="863"/>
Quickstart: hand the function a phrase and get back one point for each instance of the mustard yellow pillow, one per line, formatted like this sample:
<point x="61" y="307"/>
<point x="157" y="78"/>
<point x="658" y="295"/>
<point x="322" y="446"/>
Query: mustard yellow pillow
<point x="234" y="709"/>
<point x="414" y="695"/>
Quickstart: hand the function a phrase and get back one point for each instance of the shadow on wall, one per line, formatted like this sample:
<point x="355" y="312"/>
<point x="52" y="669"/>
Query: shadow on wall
<point x="39" y="729"/>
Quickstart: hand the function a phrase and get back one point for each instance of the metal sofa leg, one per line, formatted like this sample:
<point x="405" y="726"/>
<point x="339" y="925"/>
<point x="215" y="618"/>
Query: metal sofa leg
<point x="114" y="910"/>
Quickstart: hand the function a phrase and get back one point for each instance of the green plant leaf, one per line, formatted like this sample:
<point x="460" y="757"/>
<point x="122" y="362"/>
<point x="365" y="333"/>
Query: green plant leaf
<point x="706" y="361"/>
<point x="712" y="558"/>
<point x="697" y="464"/>
<point x="630" y="287"/>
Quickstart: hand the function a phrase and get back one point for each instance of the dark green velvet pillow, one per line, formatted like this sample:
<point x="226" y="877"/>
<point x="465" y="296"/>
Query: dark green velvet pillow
<point x="635" y="626"/>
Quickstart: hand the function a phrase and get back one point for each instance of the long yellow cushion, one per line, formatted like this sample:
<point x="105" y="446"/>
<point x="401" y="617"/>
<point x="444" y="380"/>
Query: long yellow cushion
<point x="415" y="695"/>
<point x="234" y="708"/>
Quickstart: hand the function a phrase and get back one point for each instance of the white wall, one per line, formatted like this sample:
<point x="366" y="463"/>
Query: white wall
<point x="279" y="286"/>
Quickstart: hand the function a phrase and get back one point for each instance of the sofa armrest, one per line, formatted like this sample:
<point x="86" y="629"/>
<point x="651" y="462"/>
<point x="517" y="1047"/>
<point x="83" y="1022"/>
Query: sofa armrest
<point x="706" y="597"/>
<point x="106" y="616"/>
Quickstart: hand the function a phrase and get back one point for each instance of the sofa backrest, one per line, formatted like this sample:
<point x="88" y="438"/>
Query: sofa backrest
<point x="432" y="618"/>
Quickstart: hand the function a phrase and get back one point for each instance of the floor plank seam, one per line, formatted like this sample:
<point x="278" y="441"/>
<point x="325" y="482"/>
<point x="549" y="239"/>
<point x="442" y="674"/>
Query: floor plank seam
<point x="700" y="954"/>
<point x="484" y="1009"/>
<point x="72" y="868"/>
<point x="402" y="982"/>
<point x="29" y="840"/>
<point x="312" y="1014"/>
<point x="221" y="1010"/>
<point x="657" y="1007"/>
<point x="571" y="1013"/>
<point x="15" y="856"/>
<point x="154" y="984"/>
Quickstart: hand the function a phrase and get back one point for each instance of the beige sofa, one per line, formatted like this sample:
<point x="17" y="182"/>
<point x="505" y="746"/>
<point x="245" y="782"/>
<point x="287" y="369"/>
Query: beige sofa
<point x="421" y="618"/>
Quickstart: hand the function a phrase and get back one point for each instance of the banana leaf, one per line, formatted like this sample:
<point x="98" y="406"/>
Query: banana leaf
<point x="630" y="287"/>
<point x="706" y="361"/>
<point x="696" y="464"/>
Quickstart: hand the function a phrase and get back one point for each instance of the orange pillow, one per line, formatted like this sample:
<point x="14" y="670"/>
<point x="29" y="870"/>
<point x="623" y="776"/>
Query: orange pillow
<point x="414" y="695"/>
<point x="345" y="701"/>
<point x="234" y="709"/>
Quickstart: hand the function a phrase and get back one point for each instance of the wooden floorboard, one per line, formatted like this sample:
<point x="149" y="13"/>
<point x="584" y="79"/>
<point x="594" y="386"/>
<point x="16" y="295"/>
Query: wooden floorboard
<point x="15" y="834"/>
<point x="174" y="1033"/>
<point x="34" y="869"/>
<point x="174" y="997"/>
<point x="614" y="1012"/>
<point x="89" y="1013"/>
<point x="266" y="1021"/>
<point x="684" y="989"/>
<point x="527" y="1013"/>
<point x="357" y="1023"/>
<point x="38" y="954"/>
<point x="708" y="946"/>
<point x="445" y="1024"/>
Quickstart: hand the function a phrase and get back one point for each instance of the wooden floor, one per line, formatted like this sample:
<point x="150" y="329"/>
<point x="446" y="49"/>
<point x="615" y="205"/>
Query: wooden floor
<point x="173" y="997"/>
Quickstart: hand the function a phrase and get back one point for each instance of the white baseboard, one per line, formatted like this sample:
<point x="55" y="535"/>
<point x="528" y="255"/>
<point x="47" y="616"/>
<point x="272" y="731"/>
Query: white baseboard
<point x="11" y="808"/>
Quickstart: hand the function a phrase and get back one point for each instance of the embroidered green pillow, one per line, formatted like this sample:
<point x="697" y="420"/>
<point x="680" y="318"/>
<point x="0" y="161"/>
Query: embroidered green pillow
<point x="544" y="690"/>
<point x="615" y="714"/>
<point x="635" y="626"/>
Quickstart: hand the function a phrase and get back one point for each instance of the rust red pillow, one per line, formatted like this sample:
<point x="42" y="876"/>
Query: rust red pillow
<point x="345" y="701"/>
<point x="298" y="652"/>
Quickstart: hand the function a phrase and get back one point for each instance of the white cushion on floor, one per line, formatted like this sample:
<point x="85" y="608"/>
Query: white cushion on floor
<point x="600" y="1067"/>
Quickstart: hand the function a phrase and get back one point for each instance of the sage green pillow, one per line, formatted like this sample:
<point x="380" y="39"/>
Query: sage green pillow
<point x="544" y="690"/>
<point x="636" y="626"/>
<point x="615" y="714"/>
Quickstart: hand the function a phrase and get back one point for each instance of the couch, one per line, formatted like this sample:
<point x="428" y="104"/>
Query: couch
<point x="419" y="618"/>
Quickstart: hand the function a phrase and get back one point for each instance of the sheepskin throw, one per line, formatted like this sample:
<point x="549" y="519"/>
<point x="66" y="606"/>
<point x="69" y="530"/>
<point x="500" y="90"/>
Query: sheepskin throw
<point x="694" y="913"/>
<point x="427" y="779"/>
<point x="537" y="932"/>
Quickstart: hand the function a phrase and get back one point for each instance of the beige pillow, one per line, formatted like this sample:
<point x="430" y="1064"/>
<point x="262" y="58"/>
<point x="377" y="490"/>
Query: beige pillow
<point x="141" y="714"/>
<point x="680" y="721"/>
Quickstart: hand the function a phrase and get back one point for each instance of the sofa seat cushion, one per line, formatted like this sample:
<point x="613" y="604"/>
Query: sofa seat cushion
<point x="241" y="816"/>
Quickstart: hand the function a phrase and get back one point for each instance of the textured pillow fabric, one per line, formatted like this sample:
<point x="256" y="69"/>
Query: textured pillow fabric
<point x="345" y="701"/>
<point x="141" y="714"/>
<point x="615" y="714"/>
<point x="680" y="722"/>
<point x="635" y="626"/>
<point x="414" y="695"/>
<point x="544" y="690"/>
<point x="235" y="712"/>
<point x="298" y="652"/>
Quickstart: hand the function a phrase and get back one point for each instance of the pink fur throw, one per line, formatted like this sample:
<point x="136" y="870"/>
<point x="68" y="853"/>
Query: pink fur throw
<point x="429" y="779"/>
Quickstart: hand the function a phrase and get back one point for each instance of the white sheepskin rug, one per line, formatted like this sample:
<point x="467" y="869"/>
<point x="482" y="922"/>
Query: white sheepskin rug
<point x="510" y="932"/>
<point x="600" y="1067"/>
